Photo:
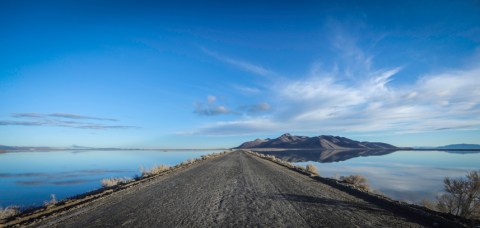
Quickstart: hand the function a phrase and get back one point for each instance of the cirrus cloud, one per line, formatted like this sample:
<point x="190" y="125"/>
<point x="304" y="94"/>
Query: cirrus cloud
<point x="68" y="120"/>
<point x="444" y="101"/>
<point x="353" y="95"/>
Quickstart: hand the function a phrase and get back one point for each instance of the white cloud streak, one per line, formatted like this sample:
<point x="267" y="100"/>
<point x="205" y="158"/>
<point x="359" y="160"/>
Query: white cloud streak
<point x="211" y="108"/>
<point x="353" y="96"/>
<point x="247" y="90"/>
<point x="60" y="115"/>
<point x="67" y="120"/>
<point x="444" y="101"/>
<point x="243" y="65"/>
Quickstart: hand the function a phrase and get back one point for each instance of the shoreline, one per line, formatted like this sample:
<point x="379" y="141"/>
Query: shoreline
<point x="64" y="207"/>
<point x="404" y="208"/>
<point x="36" y="214"/>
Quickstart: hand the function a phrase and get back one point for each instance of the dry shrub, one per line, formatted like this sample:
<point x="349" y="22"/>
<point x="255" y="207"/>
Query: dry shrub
<point x="110" y="182"/>
<point x="212" y="155"/>
<point x="9" y="212"/>
<point x="312" y="169"/>
<point x="154" y="170"/>
<point x="356" y="180"/>
<point x="52" y="201"/>
<point x="428" y="204"/>
<point x="462" y="196"/>
<point x="273" y="158"/>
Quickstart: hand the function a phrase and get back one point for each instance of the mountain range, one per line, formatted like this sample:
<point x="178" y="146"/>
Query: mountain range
<point x="324" y="156"/>
<point x="327" y="142"/>
<point x="459" y="146"/>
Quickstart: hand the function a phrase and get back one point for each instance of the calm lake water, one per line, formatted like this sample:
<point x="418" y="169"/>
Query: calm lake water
<point x="402" y="175"/>
<point x="29" y="178"/>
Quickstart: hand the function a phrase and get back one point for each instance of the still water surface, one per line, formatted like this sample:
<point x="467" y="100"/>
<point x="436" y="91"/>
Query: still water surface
<point x="29" y="178"/>
<point x="402" y="175"/>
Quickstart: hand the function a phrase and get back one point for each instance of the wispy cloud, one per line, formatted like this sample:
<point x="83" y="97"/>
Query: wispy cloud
<point x="255" y="108"/>
<point x="446" y="101"/>
<point x="247" y="89"/>
<point x="60" y="115"/>
<point x="21" y="123"/>
<point x="357" y="97"/>
<point x="76" y="116"/>
<point x="211" y="108"/>
<point x="243" y="65"/>
<point x="239" y="127"/>
<point x="62" y="120"/>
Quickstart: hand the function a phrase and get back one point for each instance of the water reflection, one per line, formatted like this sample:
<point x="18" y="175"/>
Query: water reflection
<point x="324" y="155"/>
<point x="29" y="178"/>
<point x="403" y="175"/>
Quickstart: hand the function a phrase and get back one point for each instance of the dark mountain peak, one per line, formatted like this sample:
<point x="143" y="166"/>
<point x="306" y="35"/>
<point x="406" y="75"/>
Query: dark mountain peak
<point x="287" y="138"/>
<point x="318" y="142"/>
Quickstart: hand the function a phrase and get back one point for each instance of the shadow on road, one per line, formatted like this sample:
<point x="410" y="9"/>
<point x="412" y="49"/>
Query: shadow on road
<point x="325" y="202"/>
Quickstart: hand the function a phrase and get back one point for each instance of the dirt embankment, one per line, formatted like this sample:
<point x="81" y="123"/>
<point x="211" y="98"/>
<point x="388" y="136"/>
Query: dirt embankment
<point x="239" y="190"/>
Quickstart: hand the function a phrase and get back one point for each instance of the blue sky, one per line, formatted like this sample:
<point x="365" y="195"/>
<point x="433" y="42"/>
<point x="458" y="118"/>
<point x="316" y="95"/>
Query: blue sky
<point x="190" y="75"/>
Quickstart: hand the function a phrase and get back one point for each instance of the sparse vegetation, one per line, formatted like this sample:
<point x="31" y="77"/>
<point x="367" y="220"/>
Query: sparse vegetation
<point x="162" y="168"/>
<point x="462" y="196"/>
<point x="276" y="160"/>
<point x="8" y="212"/>
<point x="189" y="161"/>
<point x="428" y="204"/>
<point x="356" y="180"/>
<point x="110" y="182"/>
<point x="52" y="201"/>
<point x="212" y="155"/>
<point x="312" y="169"/>
<point x="154" y="170"/>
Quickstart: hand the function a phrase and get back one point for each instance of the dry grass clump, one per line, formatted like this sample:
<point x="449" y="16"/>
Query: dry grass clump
<point x="357" y="181"/>
<point x="206" y="156"/>
<point x="300" y="168"/>
<point x="273" y="158"/>
<point x="110" y="182"/>
<point x="312" y="169"/>
<point x="52" y="201"/>
<point x="154" y="170"/>
<point x="189" y="161"/>
<point x="9" y="211"/>
<point x="428" y="204"/>
<point x="163" y="168"/>
<point x="212" y="155"/>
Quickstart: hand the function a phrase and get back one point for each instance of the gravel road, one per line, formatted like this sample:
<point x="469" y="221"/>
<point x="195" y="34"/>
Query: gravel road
<point x="235" y="190"/>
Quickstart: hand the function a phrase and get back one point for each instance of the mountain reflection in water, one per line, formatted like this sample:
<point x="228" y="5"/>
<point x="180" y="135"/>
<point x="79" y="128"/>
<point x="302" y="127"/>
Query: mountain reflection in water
<point x="323" y="156"/>
<point x="406" y="175"/>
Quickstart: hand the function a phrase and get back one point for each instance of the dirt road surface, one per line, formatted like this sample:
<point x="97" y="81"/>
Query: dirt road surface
<point x="235" y="190"/>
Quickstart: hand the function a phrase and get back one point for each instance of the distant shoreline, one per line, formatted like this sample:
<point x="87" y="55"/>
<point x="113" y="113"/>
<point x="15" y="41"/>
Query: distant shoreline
<point x="346" y="149"/>
<point x="257" y="149"/>
<point x="100" y="149"/>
